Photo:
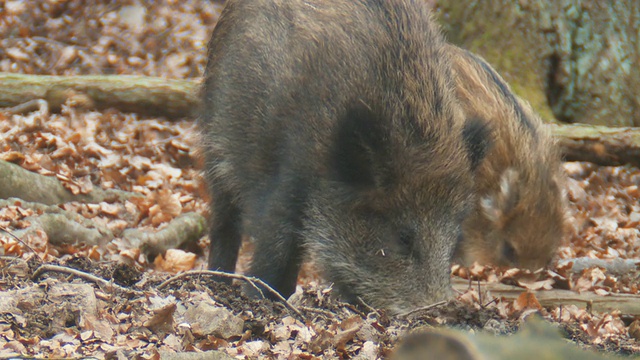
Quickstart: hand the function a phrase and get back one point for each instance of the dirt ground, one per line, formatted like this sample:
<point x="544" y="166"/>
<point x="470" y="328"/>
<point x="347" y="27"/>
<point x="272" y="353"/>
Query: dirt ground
<point x="116" y="304"/>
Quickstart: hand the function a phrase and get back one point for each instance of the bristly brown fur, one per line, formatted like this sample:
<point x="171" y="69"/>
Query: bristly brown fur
<point x="519" y="214"/>
<point x="332" y="129"/>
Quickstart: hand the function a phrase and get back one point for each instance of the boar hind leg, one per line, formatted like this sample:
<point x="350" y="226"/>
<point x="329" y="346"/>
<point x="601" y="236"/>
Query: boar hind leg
<point x="278" y="250"/>
<point x="224" y="233"/>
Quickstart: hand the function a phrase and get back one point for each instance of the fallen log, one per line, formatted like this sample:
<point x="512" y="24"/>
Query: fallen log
<point x="183" y="231"/>
<point x="18" y="182"/>
<point x="602" y="145"/>
<point x="140" y="94"/>
<point x="627" y="304"/>
<point x="61" y="226"/>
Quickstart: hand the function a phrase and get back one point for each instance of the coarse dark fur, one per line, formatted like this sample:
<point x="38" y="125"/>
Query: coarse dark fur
<point x="331" y="130"/>
<point x="519" y="215"/>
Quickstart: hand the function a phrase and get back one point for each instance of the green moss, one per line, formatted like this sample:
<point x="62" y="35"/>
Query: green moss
<point x="504" y="43"/>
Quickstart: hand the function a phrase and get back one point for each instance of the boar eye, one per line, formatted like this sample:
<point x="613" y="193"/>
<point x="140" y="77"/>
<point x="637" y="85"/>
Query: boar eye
<point x="509" y="252"/>
<point x="406" y="238"/>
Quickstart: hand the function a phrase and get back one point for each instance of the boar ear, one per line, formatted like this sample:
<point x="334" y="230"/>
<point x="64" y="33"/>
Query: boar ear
<point x="477" y="138"/>
<point x="357" y="154"/>
<point x="497" y="207"/>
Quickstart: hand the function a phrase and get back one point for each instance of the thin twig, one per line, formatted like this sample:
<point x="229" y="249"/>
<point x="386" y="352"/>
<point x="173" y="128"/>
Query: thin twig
<point x="40" y="104"/>
<point x="424" y="308"/>
<point x="354" y="309"/>
<point x="370" y="308"/>
<point x="57" y="43"/>
<point x="13" y="259"/>
<point x="495" y="299"/>
<point x="459" y="292"/>
<point x="14" y="266"/>
<point x="253" y="281"/>
<point x="81" y="274"/>
<point x="318" y="311"/>
<point x="2" y="228"/>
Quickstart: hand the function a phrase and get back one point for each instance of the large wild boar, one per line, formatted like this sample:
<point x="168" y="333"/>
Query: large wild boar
<point x="519" y="214"/>
<point x="331" y="129"/>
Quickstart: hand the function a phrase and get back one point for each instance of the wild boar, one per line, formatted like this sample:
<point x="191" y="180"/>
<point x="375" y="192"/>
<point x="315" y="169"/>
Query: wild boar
<point x="331" y="130"/>
<point x="519" y="214"/>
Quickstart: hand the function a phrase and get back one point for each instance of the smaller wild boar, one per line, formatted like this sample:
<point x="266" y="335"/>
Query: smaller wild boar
<point x="331" y="129"/>
<point x="519" y="213"/>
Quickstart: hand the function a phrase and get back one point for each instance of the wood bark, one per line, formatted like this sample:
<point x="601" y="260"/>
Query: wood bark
<point x="140" y="94"/>
<point x="62" y="227"/>
<point x="574" y="60"/>
<point x="600" y="145"/>
<point x="627" y="304"/>
<point x="182" y="232"/>
<point x="18" y="182"/>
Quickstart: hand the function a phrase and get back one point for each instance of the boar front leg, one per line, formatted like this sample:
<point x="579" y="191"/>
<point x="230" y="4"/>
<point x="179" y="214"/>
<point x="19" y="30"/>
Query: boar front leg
<point x="277" y="234"/>
<point x="224" y="233"/>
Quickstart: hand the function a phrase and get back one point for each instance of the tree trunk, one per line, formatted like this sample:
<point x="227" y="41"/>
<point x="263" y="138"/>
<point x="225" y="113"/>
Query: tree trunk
<point x="575" y="60"/>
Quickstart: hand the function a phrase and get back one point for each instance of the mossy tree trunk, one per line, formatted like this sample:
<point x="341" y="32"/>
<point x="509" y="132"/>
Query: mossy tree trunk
<point x="574" y="60"/>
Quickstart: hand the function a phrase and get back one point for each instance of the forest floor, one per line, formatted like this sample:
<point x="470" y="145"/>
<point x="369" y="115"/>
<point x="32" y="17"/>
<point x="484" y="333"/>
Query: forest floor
<point x="126" y="311"/>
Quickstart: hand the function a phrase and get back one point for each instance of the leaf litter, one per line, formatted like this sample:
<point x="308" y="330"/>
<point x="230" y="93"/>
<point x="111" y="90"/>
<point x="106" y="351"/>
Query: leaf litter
<point x="60" y="315"/>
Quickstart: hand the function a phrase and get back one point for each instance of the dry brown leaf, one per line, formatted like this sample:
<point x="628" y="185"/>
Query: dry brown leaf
<point x="253" y="349"/>
<point x="110" y="209"/>
<point x="321" y="341"/>
<point x="634" y="330"/>
<point x="470" y="297"/>
<point x="546" y="284"/>
<point x="162" y="317"/>
<point x="526" y="300"/>
<point x="12" y="156"/>
<point x="350" y="328"/>
<point x="175" y="261"/>
<point x="167" y="206"/>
